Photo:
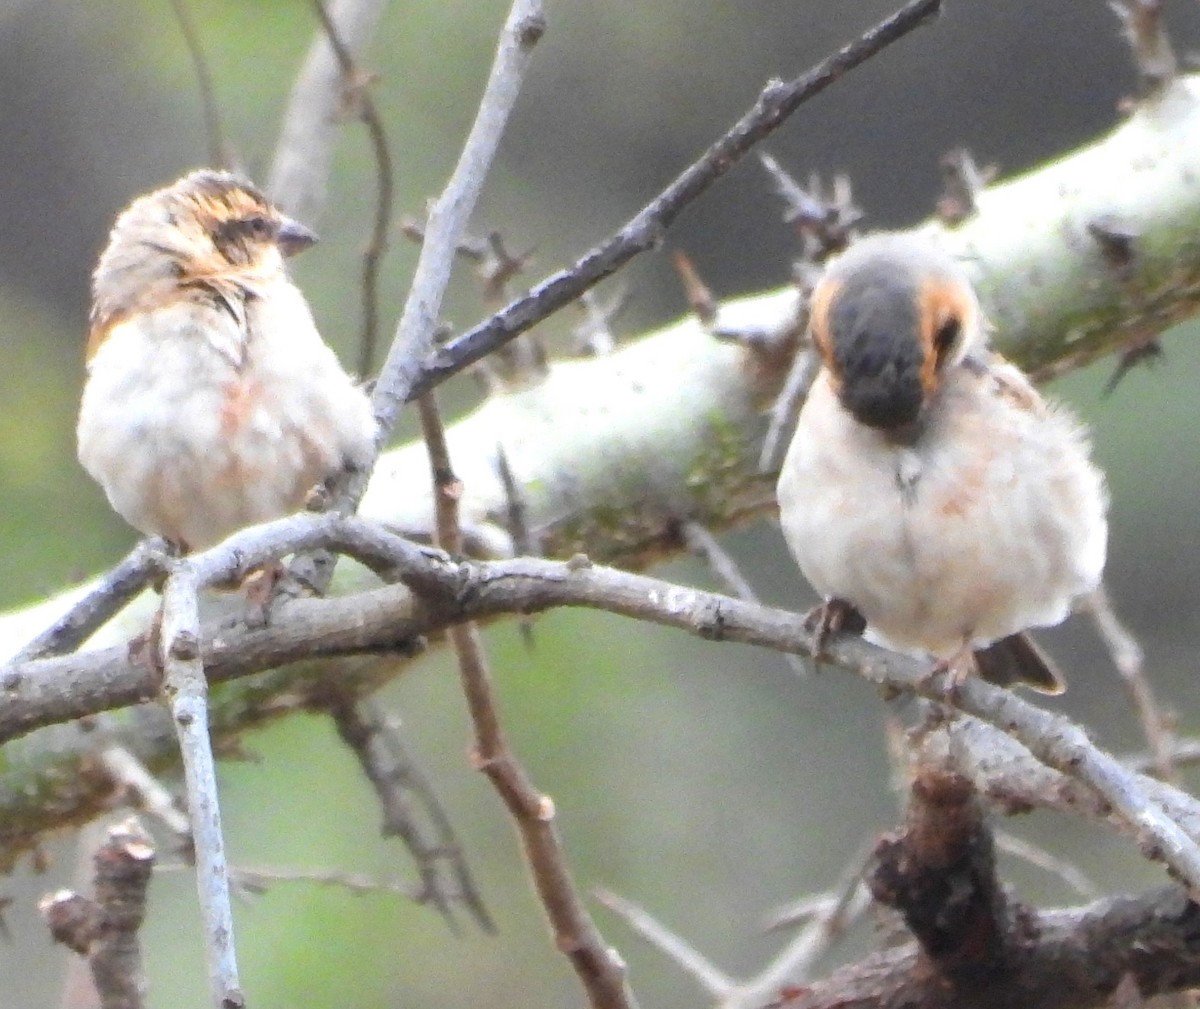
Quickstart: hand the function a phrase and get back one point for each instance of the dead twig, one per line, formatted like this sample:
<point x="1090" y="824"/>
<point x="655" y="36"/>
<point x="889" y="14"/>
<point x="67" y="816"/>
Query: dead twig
<point x="104" y="928"/>
<point x="644" y="231"/>
<point x="299" y="173"/>
<point x="186" y="690"/>
<point x="376" y="742"/>
<point x="219" y="153"/>
<point x="599" y="969"/>
<point x="715" y="982"/>
<point x="1129" y="660"/>
<point x="357" y="98"/>
<point x="103" y="601"/>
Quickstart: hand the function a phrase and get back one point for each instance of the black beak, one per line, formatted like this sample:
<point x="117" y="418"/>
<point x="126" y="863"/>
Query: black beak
<point x="293" y="237"/>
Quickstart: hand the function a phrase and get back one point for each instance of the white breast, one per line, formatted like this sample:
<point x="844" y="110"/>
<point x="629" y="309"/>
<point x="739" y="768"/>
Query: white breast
<point x="196" y="426"/>
<point x="991" y="523"/>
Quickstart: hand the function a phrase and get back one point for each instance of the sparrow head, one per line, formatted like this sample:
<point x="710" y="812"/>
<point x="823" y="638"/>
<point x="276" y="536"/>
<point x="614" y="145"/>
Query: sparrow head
<point x="889" y="317"/>
<point x="210" y="228"/>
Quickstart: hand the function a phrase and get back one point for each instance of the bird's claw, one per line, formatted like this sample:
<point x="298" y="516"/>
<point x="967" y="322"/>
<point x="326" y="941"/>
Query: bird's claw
<point x="832" y="617"/>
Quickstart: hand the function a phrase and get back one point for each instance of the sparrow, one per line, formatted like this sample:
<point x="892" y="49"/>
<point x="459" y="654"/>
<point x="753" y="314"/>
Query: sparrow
<point x="211" y="402"/>
<point x="929" y="488"/>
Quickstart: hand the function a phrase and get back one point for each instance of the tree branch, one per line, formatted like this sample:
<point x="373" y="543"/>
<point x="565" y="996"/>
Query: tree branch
<point x="300" y="172"/>
<point x="644" y="231"/>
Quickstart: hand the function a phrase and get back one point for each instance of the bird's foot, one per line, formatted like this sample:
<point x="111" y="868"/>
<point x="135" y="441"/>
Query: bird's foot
<point x="957" y="666"/>
<point x="262" y="591"/>
<point x="834" y="616"/>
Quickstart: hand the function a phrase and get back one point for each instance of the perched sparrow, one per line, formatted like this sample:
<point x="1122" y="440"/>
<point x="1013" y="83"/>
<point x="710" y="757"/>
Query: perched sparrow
<point x="211" y="402"/>
<point x="929" y="486"/>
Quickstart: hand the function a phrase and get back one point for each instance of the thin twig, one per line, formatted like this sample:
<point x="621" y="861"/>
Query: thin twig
<point x="103" y="601"/>
<point x="715" y="982"/>
<point x="1142" y="24"/>
<point x="599" y="969"/>
<point x="594" y="335"/>
<point x="786" y="407"/>
<point x="145" y="792"/>
<point x="186" y="689"/>
<point x="395" y="776"/>
<point x="516" y="517"/>
<point x="219" y="154"/>
<point x="299" y="174"/>
<point x="448" y="217"/>
<point x="356" y="85"/>
<point x="1129" y="660"/>
<point x="1036" y="855"/>
<point x="644" y="231"/>
<point x="453" y="590"/>
<point x="794" y="963"/>
<point x="255" y="881"/>
<point x="1184" y="753"/>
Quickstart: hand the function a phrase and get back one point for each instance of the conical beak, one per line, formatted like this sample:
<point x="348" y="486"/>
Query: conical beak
<point x="294" y="237"/>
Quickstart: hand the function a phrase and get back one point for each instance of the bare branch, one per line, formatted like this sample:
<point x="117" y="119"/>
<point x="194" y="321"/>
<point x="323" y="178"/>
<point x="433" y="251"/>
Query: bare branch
<point x="145" y="792"/>
<point x="786" y="408"/>
<point x="1036" y="855"/>
<point x="846" y="902"/>
<point x="100" y="602"/>
<point x="304" y="154"/>
<point x="449" y="214"/>
<point x="186" y="689"/>
<point x="395" y="776"/>
<point x="644" y="231"/>
<point x="1077" y="959"/>
<point x="104" y="928"/>
<point x="219" y="153"/>
<point x="715" y="982"/>
<point x="600" y="970"/>
<point x="357" y="96"/>
<point x="1128" y="658"/>
<point x="453" y="591"/>
<point x="704" y="545"/>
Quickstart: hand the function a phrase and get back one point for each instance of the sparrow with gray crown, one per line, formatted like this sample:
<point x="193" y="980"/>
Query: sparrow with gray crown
<point x="929" y="487"/>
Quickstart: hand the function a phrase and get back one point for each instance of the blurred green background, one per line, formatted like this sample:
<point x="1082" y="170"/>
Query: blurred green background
<point x="705" y="782"/>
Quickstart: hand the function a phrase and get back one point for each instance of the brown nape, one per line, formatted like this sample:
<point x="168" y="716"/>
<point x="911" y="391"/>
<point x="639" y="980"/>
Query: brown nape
<point x="1017" y="659"/>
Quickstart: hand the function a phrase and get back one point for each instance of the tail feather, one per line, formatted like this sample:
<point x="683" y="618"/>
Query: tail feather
<point x="1018" y="659"/>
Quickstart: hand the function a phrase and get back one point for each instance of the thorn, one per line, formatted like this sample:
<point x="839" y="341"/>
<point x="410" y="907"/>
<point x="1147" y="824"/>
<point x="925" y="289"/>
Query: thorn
<point x="962" y="182"/>
<point x="499" y="267"/>
<point x="1117" y="241"/>
<point x="469" y="248"/>
<point x="1149" y="351"/>
<point x="525" y="543"/>
<point x="825" y="223"/>
<point x="699" y="297"/>
<point x="1143" y="28"/>
<point x="594" y="336"/>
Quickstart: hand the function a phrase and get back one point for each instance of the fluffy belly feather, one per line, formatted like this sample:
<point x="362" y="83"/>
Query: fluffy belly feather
<point x="989" y="527"/>
<point x="196" y="448"/>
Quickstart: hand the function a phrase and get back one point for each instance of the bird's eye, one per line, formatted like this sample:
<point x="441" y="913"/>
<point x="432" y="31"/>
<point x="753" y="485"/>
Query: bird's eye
<point x="258" y="226"/>
<point x="945" y="337"/>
